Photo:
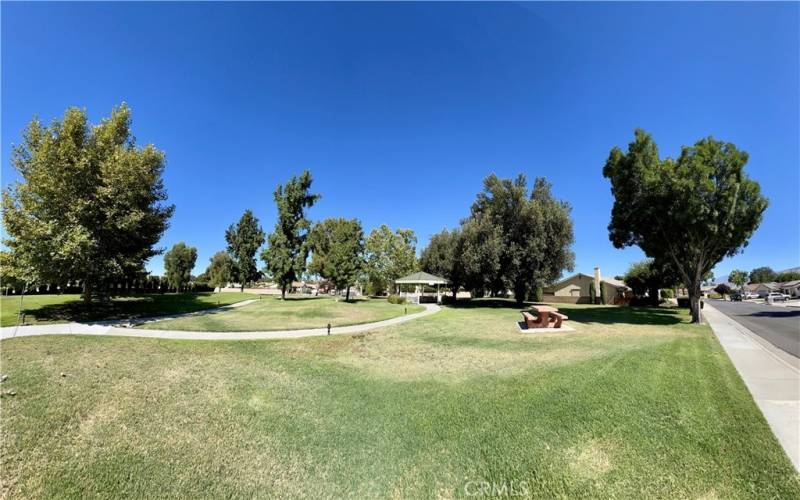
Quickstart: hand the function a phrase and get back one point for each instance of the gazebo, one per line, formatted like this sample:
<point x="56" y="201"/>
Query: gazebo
<point x="421" y="279"/>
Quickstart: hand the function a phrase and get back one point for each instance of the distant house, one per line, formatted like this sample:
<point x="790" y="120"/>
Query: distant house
<point x="576" y="289"/>
<point x="791" y="288"/>
<point x="762" y="289"/>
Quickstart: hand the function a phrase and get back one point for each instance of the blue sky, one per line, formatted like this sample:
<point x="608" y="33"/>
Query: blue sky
<point x="400" y="110"/>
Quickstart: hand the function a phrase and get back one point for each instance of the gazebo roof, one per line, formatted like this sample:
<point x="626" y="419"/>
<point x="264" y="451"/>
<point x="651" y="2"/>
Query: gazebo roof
<point x="422" y="278"/>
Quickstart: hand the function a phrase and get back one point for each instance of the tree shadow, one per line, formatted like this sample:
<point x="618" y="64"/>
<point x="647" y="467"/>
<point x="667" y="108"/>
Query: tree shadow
<point x="494" y="303"/>
<point x="120" y="308"/>
<point x="598" y="314"/>
<point x="776" y="314"/>
<point x="628" y="315"/>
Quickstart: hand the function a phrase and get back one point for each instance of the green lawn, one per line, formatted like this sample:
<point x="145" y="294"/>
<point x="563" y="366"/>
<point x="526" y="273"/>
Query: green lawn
<point x="68" y="307"/>
<point x="635" y="403"/>
<point x="272" y="313"/>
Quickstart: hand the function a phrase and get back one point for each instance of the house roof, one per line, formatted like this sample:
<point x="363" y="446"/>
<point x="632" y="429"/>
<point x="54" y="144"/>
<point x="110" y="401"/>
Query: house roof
<point x="755" y="286"/>
<point x="422" y="278"/>
<point x="611" y="281"/>
<point x="790" y="284"/>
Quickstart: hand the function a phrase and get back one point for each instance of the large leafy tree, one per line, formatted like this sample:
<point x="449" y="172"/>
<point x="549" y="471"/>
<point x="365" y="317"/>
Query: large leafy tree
<point x="691" y="212"/>
<point x="444" y="257"/>
<point x="337" y="247"/>
<point x="390" y="255"/>
<point x="481" y="255"/>
<point x="244" y="239"/>
<point x="220" y="270"/>
<point x="534" y="241"/>
<point x="178" y="264"/>
<point x="762" y="275"/>
<point x="288" y="247"/>
<point x="89" y="204"/>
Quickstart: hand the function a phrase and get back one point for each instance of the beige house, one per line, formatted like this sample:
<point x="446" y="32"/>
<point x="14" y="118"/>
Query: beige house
<point x="762" y="289"/>
<point x="577" y="289"/>
<point x="791" y="288"/>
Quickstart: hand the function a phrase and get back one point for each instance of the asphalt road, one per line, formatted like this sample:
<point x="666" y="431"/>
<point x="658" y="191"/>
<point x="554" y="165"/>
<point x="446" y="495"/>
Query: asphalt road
<point x="778" y="325"/>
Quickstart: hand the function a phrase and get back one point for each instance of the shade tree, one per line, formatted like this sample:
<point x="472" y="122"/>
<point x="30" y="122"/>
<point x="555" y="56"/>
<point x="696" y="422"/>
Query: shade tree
<point x="244" y="239"/>
<point x="220" y="270"/>
<point x="390" y="255"/>
<point x="178" y="264"/>
<point x="691" y="211"/>
<point x="337" y="252"/>
<point x="762" y="275"/>
<point x="89" y="204"/>
<point x="444" y="257"/>
<point x="287" y="251"/>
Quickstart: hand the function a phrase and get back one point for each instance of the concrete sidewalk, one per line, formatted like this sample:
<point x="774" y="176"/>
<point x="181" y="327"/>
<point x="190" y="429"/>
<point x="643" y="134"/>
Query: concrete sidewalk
<point x="114" y="331"/>
<point x="771" y="375"/>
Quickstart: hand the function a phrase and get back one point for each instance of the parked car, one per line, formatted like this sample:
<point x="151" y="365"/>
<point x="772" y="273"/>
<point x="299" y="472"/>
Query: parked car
<point x="749" y="295"/>
<point x="773" y="296"/>
<point x="736" y="297"/>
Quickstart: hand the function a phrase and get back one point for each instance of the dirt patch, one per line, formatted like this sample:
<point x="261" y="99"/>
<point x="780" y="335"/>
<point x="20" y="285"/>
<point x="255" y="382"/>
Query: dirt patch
<point x="592" y="459"/>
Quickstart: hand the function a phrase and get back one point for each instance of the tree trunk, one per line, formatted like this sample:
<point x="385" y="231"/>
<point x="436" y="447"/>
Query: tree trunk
<point x="694" y="302"/>
<point x="519" y="293"/>
<point x="455" y="294"/>
<point x="87" y="293"/>
<point x="241" y="287"/>
<point x="347" y="294"/>
<point x="283" y="292"/>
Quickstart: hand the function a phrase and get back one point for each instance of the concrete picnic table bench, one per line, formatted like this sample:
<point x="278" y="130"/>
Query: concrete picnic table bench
<point x="545" y="315"/>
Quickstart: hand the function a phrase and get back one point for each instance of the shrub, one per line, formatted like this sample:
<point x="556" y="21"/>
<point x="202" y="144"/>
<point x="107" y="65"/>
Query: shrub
<point x="667" y="293"/>
<point x="396" y="299"/>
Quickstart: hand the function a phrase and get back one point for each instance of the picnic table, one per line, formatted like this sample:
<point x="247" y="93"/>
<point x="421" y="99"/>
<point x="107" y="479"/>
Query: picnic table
<point x="545" y="315"/>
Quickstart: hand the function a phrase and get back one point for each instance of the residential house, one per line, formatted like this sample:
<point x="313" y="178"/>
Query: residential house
<point x="577" y="289"/>
<point x="762" y="289"/>
<point x="791" y="288"/>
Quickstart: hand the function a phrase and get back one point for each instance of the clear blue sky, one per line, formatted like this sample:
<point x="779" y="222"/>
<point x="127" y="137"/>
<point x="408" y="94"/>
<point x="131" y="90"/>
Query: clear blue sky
<point x="400" y="110"/>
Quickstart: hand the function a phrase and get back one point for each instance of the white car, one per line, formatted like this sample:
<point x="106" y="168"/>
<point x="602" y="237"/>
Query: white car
<point x="773" y="296"/>
<point x="749" y="295"/>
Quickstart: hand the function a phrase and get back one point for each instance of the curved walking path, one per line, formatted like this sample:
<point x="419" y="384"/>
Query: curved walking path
<point x="109" y="330"/>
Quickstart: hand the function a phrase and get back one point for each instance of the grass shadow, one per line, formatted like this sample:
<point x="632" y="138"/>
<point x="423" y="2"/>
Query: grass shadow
<point x="121" y="308"/>
<point x="628" y="315"/>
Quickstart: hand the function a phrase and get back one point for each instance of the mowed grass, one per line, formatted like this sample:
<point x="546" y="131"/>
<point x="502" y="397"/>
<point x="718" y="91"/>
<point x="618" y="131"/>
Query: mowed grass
<point x="69" y="307"/>
<point x="635" y="403"/>
<point x="272" y="313"/>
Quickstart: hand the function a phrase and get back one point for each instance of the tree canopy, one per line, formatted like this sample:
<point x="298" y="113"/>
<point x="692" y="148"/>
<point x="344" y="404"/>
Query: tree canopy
<point x="178" y="264"/>
<point x="691" y="212"/>
<point x="89" y="205"/>
<point x="220" y="270"/>
<point x="337" y="247"/>
<point x="244" y="240"/>
<point x="762" y="275"/>
<point x="390" y="256"/>
<point x="444" y="257"/>
<point x="526" y="238"/>
<point x="787" y="276"/>
<point x="287" y="250"/>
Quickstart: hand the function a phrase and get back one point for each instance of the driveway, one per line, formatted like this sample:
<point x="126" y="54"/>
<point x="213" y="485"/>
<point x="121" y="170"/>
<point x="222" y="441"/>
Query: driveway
<point x="778" y="325"/>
